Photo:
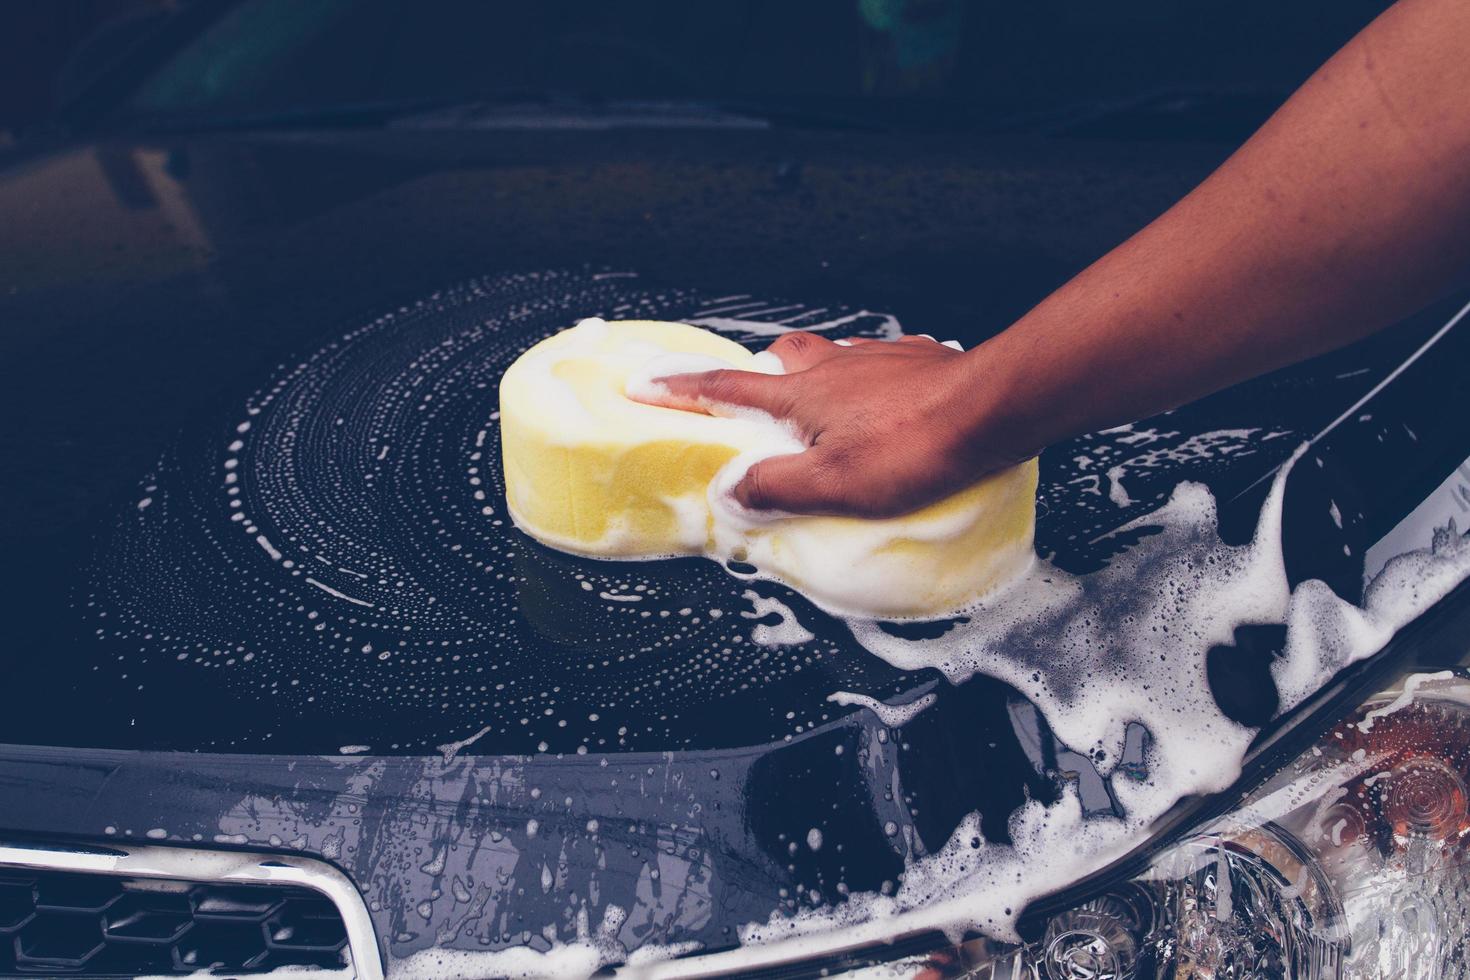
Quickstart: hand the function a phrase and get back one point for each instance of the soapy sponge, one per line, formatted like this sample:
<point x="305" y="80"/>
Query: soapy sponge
<point x="590" y="471"/>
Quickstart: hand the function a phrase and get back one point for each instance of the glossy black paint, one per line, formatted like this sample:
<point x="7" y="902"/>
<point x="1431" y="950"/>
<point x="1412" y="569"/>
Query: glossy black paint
<point x="158" y="284"/>
<point x="147" y="285"/>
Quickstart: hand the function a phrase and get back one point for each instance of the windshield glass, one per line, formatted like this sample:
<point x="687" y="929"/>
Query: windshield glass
<point x="277" y="54"/>
<point x="902" y="62"/>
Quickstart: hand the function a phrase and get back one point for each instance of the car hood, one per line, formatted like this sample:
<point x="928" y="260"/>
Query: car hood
<point x="171" y="305"/>
<point x="155" y="290"/>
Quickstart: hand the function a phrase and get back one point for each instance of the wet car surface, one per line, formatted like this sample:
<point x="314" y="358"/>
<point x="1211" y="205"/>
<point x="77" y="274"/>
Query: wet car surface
<point x="459" y="719"/>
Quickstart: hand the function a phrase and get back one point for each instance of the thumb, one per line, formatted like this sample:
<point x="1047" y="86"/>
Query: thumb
<point x="715" y="392"/>
<point x="796" y="483"/>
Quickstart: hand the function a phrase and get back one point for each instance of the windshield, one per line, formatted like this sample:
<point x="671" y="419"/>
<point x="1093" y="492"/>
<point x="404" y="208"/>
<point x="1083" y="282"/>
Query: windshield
<point x="938" y="63"/>
<point x="266" y="55"/>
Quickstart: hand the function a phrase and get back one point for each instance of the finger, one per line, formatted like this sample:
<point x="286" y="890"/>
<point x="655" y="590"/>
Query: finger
<point x="716" y="392"/>
<point x="799" y="483"/>
<point x="799" y="351"/>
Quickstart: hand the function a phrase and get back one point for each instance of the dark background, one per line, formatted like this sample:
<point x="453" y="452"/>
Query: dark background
<point x="37" y="40"/>
<point x="1012" y="57"/>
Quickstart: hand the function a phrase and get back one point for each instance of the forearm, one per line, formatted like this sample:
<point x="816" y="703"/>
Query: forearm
<point x="1348" y="210"/>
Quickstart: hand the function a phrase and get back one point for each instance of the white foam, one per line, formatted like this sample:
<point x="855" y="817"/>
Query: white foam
<point x="844" y="573"/>
<point x="691" y="514"/>
<point x="1092" y="670"/>
<point x="1326" y="634"/>
<point x="765" y="362"/>
<point x="1124" y="644"/>
<point x="1094" y="653"/>
<point x="892" y="715"/>
<point x="515" y="963"/>
<point x="787" y="632"/>
<point x="1116" y="493"/>
<point x="334" y="592"/>
<point x="581" y="958"/>
<point x="889" y="328"/>
<point x="452" y="749"/>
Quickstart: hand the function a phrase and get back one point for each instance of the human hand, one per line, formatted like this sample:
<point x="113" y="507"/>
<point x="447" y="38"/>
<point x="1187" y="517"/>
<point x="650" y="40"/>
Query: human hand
<point x="890" y="426"/>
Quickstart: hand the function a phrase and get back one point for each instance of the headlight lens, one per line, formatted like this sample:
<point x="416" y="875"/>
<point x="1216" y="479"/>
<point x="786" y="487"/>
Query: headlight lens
<point x="1377" y="809"/>
<point x="1350" y="862"/>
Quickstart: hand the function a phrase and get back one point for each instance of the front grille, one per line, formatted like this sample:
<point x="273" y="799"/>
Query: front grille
<point x="66" y="922"/>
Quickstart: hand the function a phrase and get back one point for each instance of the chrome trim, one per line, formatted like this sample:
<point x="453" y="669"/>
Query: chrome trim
<point x="158" y="861"/>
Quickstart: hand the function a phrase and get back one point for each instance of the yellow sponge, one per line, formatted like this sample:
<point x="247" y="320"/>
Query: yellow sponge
<point x="590" y="471"/>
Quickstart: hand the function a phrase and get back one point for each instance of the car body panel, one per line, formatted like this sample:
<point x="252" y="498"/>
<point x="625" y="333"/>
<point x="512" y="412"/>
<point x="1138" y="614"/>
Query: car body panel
<point x="149" y="284"/>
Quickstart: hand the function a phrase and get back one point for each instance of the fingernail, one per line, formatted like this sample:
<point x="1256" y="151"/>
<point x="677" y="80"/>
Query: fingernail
<point x="843" y="343"/>
<point x="955" y="344"/>
<point x="928" y="336"/>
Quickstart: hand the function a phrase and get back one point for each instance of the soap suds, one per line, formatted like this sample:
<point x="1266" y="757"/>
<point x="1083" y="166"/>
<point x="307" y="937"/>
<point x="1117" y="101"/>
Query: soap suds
<point x="1326" y="634"/>
<point x="1092" y="669"/>
<point x="584" y="956"/>
<point x="787" y="632"/>
<point x="748" y="327"/>
<point x="1116" y="493"/>
<point x="1125" y="644"/>
<point x="452" y="749"/>
<point x="338" y="594"/>
<point x="892" y="715"/>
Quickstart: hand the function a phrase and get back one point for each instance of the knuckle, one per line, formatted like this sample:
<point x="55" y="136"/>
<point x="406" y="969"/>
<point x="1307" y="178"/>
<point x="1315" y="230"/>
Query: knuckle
<point x="794" y="343"/>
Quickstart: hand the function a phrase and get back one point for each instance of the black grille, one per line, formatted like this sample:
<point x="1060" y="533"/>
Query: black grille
<point x="61" y="922"/>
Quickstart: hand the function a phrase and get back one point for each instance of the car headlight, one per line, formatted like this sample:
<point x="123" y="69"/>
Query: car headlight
<point x="1349" y="861"/>
<point x="1346" y="856"/>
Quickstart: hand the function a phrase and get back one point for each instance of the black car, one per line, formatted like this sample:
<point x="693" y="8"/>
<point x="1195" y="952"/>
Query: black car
<point x="286" y="688"/>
